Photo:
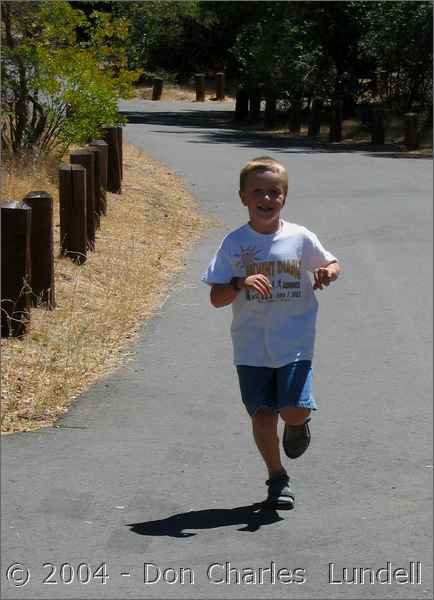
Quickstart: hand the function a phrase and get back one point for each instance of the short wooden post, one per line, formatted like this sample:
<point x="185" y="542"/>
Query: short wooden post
<point x="335" y="133"/>
<point x="86" y="159"/>
<point x="270" y="111"/>
<point x="315" y="118"/>
<point x="15" y="268"/>
<point x="411" y="139"/>
<point x="72" y="200"/>
<point x="102" y="159"/>
<point x="114" y="162"/>
<point x="157" y="88"/>
<point x="120" y="130"/>
<point x="41" y="248"/>
<point x="255" y="106"/>
<point x="378" y="132"/>
<point x="97" y="185"/>
<point x="199" y="79"/>
<point x="295" y="116"/>
<point x="242" y="105"/>
<point x="220" y="86"/>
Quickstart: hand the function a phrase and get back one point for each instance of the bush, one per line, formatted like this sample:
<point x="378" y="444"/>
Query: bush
<point x="56" y="90"/>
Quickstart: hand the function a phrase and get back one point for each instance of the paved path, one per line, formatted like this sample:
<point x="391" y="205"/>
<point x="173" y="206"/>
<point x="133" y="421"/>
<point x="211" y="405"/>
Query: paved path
<point x="155" y="463"/>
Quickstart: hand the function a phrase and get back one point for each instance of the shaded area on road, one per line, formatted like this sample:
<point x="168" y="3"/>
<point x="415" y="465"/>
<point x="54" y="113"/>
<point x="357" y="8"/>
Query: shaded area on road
<point x="253" y="516"/>
<point x="183" y="118"/>
<point x="230" y="134"/>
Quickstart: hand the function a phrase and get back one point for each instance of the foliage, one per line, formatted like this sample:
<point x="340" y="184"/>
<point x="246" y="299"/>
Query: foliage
<point x="327" y="48"/>
<point x="279" y="55"/>
<point x="184" y="36"/>
<point x="398" y="42"/>
<point x="57" y="90"/>
<point x="157" y="31"/>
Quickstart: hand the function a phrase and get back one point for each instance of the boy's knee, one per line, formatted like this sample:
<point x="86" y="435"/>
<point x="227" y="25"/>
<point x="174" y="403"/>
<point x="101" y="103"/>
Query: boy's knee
<point x="264" y="417"/>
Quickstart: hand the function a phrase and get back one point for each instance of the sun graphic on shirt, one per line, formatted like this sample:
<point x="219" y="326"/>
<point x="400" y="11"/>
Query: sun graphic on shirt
<point x="247" y="256"/>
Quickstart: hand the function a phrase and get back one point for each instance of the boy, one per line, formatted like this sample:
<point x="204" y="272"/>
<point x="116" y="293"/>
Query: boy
<point x="262" y="270"/>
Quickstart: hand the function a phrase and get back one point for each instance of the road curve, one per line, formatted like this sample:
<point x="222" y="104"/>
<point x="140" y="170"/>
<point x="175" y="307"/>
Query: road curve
<point x="155" y="465"/>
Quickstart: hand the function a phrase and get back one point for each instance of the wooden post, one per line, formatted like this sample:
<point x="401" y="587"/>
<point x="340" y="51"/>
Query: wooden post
<point x="411" y="139"/>
<point x="15" y="268"/>
<point x="86" y="159"/>
<point x="120" y="130"/>
<point x="315" y="118"/>
<point x="242" y="105"/>
<point x="157" y="89"/>
<point x="335" y="134"/>
<point x="102" y="159"/>
<point x="255" y="106"/>
<point x="97" y="185"/>
<point x="295" y="116"/>
<point x="378" y="133"/>
<point x="270" y="112"/>
<point x="114" y="184"/>
<point x="220" y="86"/>
<point x="41" y="248"/>
<point x="200" y="87"/>
<point x="72" y="200"/>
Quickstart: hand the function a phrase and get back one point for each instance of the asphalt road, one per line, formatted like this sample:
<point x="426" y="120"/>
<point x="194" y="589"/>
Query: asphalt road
<point x="155" y="463"/>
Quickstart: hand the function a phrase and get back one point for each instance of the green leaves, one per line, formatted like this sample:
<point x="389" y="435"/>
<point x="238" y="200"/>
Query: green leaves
<point x="57" y="90"/>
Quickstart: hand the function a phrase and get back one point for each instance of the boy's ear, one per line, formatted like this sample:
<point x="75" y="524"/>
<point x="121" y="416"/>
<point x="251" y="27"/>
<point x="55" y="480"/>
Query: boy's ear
<point x="241" y="195"/>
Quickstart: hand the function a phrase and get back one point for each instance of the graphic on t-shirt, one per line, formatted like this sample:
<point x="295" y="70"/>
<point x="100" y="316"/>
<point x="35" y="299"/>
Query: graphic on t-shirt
<point x="277" y="271"/>
<point x="247" y="256"/>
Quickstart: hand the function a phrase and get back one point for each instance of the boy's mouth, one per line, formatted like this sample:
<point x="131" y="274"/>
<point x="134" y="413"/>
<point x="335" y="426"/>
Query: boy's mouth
<point x="265" y="209"/>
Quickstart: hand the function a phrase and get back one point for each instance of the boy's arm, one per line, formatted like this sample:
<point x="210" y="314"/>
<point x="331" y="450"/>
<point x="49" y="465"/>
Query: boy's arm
<point x="326" y="274"/>
<point x="223" y="294"/>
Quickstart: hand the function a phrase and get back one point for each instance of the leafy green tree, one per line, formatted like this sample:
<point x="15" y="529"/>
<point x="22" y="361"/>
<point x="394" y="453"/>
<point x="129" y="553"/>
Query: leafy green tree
<point x="281" y="55"/>
<point x="157" y="32"/>
<point x="398" y="40"/>
<point x="55" y="90"/>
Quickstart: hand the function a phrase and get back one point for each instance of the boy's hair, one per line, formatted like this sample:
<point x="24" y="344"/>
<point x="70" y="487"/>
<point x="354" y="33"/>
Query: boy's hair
<point x="264" y="163"/>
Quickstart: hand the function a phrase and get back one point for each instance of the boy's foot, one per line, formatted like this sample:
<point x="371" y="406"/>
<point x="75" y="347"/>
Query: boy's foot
<point x="296" y="439"/>
<point x="280" y="494"/>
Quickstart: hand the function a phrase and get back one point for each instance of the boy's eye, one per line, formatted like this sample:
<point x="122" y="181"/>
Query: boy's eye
<point x="271" y="193"/>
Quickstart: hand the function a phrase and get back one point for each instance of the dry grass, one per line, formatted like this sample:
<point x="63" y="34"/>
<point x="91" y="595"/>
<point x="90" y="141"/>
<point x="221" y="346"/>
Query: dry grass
<point x="180" y="93"/>
<point x="141" y="244"/>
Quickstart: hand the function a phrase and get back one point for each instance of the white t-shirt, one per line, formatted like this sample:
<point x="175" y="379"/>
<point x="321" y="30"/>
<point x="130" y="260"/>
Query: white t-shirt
<point x="275" y="331"/>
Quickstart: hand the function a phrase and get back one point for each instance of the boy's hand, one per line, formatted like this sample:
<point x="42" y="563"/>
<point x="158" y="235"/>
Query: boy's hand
<point x="325" y="275"/>
<point x="260" y="283"/>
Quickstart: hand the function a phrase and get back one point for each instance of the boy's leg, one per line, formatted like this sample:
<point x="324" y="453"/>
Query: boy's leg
<point x="264" y="424"/>
<point x="293" y="415"/>
<point x="296" y="435"/>
<point x="295" y="401"/>
<point x="280" y="495"/>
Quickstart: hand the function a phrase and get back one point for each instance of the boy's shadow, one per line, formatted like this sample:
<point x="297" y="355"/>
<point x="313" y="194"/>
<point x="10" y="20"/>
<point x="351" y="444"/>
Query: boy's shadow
<point x="253" y="516"/>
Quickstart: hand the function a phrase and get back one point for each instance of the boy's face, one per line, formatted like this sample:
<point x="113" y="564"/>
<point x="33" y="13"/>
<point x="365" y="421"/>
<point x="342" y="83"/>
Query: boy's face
<point x="264" y="198"/>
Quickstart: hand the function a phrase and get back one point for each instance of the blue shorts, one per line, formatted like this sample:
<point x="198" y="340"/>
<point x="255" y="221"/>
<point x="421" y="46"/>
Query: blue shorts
<point x="263" y="387"/>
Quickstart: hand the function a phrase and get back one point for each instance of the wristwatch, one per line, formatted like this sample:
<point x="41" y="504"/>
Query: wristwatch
<point x="235" y="284"/>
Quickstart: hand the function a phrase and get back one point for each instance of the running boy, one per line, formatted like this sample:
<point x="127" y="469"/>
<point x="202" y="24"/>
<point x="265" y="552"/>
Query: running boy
<point x="262" y="270"/>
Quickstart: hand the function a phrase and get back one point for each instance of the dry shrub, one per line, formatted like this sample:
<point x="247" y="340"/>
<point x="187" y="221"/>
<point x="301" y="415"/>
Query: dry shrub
<point x="142" y="242"/>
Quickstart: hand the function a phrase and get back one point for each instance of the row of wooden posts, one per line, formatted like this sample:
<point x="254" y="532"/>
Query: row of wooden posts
<point x="199" y="79"/>
<point x="27" y="259"/>
<point x="248" y="106"/>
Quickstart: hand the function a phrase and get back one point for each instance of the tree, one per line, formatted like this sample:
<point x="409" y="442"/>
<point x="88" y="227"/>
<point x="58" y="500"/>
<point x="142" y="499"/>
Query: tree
<point x="398" y="42"/>
<point x="281" y="54"/>
<point x="57" y="90"/>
